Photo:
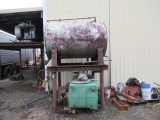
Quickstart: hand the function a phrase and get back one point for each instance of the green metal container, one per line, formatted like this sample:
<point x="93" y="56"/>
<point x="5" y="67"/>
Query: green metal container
<point x="83" y="95"/>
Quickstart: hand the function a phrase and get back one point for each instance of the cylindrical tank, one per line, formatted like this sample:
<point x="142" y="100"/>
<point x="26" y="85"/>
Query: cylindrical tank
<point x="75" y="40"/>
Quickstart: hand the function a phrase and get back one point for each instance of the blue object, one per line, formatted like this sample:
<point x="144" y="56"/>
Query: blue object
<point x="145" y="86"/>
<point x="146" y="91"/>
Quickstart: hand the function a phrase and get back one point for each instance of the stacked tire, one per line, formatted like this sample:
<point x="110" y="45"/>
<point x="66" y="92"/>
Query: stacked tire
<point x="9" y="70"/>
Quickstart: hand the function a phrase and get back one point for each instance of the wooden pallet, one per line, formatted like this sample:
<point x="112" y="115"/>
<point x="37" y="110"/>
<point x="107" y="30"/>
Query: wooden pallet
<point x="143" y="101"/>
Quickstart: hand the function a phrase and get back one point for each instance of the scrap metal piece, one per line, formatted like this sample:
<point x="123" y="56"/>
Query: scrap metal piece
<point x="120" y="106"/>
<point x="121" y="99"/>
<point x="130" y="98"/>
<point x="130" y="90"/>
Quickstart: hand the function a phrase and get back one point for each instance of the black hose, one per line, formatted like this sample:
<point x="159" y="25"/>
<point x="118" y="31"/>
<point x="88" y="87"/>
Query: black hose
<point x="35" y="101"/>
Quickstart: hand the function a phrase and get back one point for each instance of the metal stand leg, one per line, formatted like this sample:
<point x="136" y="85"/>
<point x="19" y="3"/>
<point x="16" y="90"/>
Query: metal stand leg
<point x="102" y="89"/>
<point x="42" y="58"/>
<point x="101" y="62"/>
<point x="20" y="64"/>
<point x="54" y="80"/>
<point x="34" y="60"/>
<point x="54" y="84"/>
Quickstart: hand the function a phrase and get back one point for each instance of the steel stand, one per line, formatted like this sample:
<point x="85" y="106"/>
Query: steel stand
<point x="57" y="68"/>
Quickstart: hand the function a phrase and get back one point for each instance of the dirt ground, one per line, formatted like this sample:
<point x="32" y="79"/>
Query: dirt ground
<point x="16" y="95"/>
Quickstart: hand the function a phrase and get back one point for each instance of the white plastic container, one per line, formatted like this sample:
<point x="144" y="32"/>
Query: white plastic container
<point x="120" y="87"/>
<point x="107" y="92"/>
<point x="146" y="91"/>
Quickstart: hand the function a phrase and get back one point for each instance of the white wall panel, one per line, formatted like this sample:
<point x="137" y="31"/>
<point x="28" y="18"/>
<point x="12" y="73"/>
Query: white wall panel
<point x="135" y="36"/>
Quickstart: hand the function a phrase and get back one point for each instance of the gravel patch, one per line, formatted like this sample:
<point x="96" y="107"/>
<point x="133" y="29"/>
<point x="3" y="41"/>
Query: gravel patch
<point x="15" y="95"/>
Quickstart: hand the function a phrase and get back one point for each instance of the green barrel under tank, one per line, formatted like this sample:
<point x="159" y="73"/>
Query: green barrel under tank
<point x="83" y="95"/>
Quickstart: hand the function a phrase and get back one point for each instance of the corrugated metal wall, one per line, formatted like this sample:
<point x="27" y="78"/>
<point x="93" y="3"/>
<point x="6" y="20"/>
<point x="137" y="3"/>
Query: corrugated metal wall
<point x="5" y="37"/>
<point x="135" y="28"/>
<point x="5" y="55"/>
<point x="134" y="33"/>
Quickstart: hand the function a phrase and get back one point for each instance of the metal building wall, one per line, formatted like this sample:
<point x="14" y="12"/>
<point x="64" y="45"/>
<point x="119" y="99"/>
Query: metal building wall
<point x="134" y="33"/>
<point x="135" y="28"/>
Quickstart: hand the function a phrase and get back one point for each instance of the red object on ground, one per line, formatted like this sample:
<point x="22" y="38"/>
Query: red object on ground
<point x="112" y="94"/>
<point x="39" y="87"/>
<point x="119" y="105"/>
<point x="130" y="89"/>
<point x="128" y="97"/>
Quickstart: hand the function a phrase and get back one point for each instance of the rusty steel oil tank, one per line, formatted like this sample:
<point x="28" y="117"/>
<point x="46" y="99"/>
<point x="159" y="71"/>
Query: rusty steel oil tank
<point x="75" y="40"/>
